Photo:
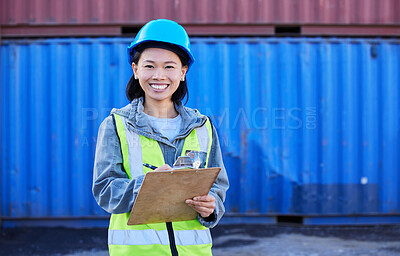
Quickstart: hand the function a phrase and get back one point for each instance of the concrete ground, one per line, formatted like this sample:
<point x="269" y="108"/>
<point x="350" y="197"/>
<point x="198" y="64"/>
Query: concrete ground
<point x="232" y="240"/>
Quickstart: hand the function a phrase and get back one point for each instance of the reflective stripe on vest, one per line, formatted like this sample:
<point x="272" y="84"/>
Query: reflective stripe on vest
<point x="124" y="144"/>
<point x="191" y="237"/>
<point x="148" y="236"/>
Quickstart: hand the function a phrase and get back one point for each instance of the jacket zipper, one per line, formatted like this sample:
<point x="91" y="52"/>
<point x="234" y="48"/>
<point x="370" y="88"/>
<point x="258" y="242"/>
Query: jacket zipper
<point x="171" y="237"/>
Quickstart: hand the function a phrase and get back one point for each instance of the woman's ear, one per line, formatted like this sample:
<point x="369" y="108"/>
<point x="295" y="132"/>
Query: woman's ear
<point x="134" y="68"/>
<point x="184" y="70"/>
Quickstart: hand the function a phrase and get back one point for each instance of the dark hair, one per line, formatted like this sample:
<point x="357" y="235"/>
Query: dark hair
<point x="133" y="88"/>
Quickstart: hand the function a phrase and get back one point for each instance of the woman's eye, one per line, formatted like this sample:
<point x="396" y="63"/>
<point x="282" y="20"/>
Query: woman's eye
<point x="169" y="67"/>
<point x="148" y="66"/>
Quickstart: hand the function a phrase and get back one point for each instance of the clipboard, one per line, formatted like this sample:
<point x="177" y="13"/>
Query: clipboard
<point x="162" y="195"/>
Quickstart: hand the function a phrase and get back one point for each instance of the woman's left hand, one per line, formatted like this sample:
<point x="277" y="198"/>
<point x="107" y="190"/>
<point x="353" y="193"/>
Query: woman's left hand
<point x="204" y="205"/>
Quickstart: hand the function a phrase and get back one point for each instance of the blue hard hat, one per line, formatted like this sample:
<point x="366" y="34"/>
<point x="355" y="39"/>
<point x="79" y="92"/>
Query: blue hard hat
<point x="164" y="31"/>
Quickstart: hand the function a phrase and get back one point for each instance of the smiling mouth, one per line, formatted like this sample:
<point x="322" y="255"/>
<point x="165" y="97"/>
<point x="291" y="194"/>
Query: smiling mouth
<point x="159" y="86"/>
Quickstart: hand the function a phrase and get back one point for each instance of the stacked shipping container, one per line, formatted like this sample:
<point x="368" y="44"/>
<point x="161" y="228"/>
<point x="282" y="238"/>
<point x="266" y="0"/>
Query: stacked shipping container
<point x="204" y="17"/>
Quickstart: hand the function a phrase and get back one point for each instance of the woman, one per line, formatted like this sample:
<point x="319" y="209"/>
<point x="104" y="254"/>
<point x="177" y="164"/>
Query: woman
<point x="155" y="128"/>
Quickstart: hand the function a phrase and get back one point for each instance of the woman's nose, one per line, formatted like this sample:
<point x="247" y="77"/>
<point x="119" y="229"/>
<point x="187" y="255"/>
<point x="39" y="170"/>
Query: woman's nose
<point x="158" y="73"/>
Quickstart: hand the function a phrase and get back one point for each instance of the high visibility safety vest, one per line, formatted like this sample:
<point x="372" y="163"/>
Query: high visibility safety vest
<point x="176" y="238"/>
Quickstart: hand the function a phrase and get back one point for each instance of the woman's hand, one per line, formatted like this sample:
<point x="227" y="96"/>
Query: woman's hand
<point x="164" y="167"/>
<point x="204" y="205"/>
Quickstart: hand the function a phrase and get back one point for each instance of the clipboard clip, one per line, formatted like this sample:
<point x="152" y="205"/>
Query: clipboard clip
<point x="192" y="159"/>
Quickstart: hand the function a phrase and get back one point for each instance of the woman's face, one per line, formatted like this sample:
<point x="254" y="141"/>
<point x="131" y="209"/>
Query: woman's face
<point x="159" y="72"/>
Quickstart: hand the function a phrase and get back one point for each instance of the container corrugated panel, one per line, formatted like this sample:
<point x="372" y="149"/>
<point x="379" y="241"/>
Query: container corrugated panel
<point x="75" y="12"/>
<point x="306" y="126"/>
<point x="54" y="95"/>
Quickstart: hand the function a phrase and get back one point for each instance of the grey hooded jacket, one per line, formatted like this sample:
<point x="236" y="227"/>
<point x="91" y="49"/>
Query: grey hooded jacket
<point x="112" y="188"/>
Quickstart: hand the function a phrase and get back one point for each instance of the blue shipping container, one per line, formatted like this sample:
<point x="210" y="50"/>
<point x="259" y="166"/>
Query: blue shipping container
<point x="308" y="126"/>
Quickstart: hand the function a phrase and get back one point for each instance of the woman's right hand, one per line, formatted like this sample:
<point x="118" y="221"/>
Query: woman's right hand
<point x="164" y="167"/>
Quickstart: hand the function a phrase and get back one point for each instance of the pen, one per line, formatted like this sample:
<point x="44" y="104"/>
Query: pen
<point x="150" y="166"/>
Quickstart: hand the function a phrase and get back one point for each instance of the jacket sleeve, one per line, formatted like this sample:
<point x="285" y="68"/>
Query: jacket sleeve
<point x="220" y="185"/>
<point x="112" y="189"/>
